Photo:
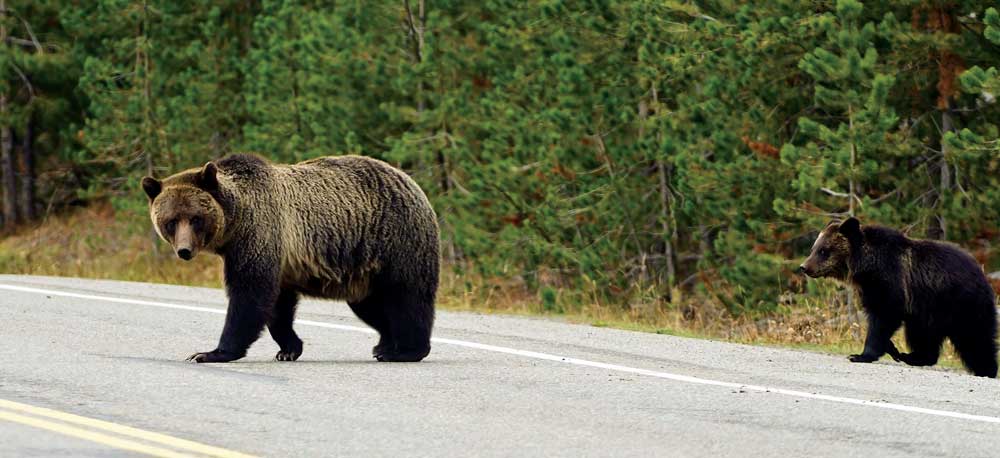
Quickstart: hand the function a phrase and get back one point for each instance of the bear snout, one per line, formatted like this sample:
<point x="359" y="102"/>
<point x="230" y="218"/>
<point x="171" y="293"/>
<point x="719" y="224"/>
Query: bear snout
<point x="805" y="269"/>
<point x="185" y="240"/>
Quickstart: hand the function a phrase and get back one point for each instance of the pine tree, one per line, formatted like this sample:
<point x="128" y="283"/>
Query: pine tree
<point x="318" y="76"/>
<point x="977" y="147"/>
<point x="163" y="82"/>
<point x="38" y="75"/>
<point x="842" y="165"/>
<point x="632" y="152"/>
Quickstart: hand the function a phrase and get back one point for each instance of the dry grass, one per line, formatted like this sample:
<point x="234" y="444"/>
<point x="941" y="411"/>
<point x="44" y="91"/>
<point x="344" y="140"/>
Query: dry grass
<point x="93" y="243"/>
<point x="828" y="322"/>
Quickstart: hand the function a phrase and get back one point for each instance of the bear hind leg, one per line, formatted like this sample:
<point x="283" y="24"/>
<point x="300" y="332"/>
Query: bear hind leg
<point x="977" y="351"/>
<point x="410" y="319"/>
<point x="925" y="346"/>
<point x="280" y="326"/>
<point x="372" y="311"/>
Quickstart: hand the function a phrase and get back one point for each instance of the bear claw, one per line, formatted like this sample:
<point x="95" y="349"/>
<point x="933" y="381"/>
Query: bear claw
<point x="214" y="356"/>
<point x="287" y="355"/>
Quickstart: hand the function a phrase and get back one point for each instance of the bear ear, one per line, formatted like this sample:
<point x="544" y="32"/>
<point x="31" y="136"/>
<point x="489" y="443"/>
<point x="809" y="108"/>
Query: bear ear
<point x="207" y="177"/>
<point x="152" y="187"/>
<point x="851" y="229"/>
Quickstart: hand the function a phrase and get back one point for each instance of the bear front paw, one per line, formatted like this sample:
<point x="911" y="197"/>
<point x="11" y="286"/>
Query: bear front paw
<point x="290" y="350"/>
<point x="214" y="356"/>
<point x="862" y="358"/>
<point x="288" y="355"/>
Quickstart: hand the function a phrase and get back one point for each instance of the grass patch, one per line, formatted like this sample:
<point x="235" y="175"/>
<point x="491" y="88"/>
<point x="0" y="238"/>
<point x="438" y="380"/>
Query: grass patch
<point x="93" y="243"/>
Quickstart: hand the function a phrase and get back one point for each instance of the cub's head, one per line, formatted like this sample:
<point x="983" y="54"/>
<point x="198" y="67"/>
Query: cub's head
<point x="183" y="211"/>
<point x="832" y="250"/>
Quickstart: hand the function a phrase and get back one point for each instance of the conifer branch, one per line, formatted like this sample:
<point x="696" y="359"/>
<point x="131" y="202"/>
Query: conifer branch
<point x="833" y="193"/>
<point x="31" y="34"/>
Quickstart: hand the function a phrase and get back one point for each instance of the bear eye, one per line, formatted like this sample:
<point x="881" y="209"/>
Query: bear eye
<point x="824" y="252"/>
<point x="196" y="222"/>
<point x="170" y="226"/>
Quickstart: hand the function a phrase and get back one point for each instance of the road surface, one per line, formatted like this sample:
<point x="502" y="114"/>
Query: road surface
<point x="96" y="368"/>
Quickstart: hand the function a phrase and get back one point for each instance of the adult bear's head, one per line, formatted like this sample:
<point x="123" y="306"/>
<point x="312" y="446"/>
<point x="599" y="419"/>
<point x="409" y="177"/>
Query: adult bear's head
<point x="183" y="210"/>
<point x="831" y="252"/>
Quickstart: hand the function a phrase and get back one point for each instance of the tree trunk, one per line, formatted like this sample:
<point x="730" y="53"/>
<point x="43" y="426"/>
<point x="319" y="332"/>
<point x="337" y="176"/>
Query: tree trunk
<point x="938" y="229"/>
<point x="666" y="222"/>
<point x="142" y="61"/>
<point x="850" y="171"/>
<point x="7" y="169"/>
<point x="28" y="173"/>
<point x="666" y="203"/>
<point x="942" y="19"/>
<point x="6" y="144"/>
<point x="417" y="24"/>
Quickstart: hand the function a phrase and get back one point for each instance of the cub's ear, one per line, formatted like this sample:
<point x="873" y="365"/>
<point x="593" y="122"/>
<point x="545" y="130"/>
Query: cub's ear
<point x="851" y="229"/>
<point x="207" y="177"/>
<point x="152" y="187"/>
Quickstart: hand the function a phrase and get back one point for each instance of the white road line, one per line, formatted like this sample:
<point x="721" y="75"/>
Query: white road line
<point x="549" y="357"/>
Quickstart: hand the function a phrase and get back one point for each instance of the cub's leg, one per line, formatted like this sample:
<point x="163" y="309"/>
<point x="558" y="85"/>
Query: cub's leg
<point x="974" y="333"/>
<point x="877" y="343"/>
<point x="893" y="352"/>
<point x="280" y="326"/>
<point x="977" y="346"/>
<point x="925" y="345"/>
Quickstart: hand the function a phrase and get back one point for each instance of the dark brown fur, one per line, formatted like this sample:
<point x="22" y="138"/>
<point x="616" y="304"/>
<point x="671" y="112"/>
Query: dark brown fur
<point x="350" y="228"/>
<point x="934" y="288"/>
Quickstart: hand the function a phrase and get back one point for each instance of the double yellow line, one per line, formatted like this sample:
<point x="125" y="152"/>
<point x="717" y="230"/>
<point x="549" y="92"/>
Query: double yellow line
<point x="110" y="434"/>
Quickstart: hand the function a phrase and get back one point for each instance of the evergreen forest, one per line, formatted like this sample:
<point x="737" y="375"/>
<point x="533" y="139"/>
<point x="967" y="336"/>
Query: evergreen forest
<point x="644" y="154"/>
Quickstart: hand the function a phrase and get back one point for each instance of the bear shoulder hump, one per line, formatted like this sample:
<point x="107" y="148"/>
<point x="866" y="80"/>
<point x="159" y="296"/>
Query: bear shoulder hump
<point x="243" y="165"/>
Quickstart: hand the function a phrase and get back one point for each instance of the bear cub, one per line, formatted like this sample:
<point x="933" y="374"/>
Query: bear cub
<point x="350" y="228"/>
<point x="934" y="288"/>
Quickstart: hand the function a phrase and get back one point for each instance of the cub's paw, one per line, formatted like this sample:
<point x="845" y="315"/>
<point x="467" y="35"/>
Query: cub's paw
<point x="214" y="356"/>
<point x="290" y="351"/>
<point x="894" y="353"/>
<point x="288" y="355"/>
<point x="862" y="358"/>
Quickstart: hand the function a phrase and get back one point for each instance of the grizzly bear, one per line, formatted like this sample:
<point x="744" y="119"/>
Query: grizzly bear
<point x="934" y="288"/>
<point x="349" y="227"/>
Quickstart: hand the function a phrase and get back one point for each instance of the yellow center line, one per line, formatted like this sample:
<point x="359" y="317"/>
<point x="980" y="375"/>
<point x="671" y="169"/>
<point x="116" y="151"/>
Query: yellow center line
<point x="106" y="426"/>
<point x="91" y="436"/>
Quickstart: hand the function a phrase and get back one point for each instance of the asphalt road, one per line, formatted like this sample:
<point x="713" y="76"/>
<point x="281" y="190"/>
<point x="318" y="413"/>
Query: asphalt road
<point x="112" y="355"/>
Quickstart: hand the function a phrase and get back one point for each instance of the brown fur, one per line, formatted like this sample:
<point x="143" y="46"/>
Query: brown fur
<point x="829" y="255"/>
<point x="349" y="227"/>
<point x="181" y="201"/>
<point x="935" y="289"/>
